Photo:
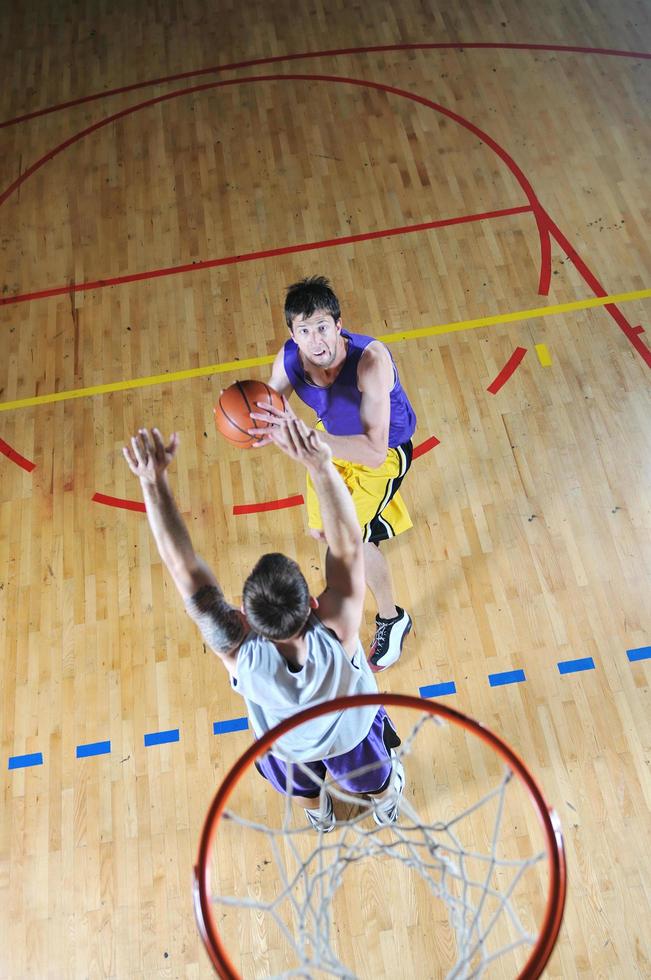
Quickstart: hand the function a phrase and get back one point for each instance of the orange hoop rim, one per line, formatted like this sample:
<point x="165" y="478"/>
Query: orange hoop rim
<point x="556" y="860"/>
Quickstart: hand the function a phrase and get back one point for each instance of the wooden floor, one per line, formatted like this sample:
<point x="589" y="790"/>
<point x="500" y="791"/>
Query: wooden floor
<point x="529" y="169"/>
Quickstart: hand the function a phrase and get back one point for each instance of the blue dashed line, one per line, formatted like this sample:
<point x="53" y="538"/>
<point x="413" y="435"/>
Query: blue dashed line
<point x="641" y="653"/>
<point x="572" y="666"/>
<point x="159" y="738"/>
<point x="438" y="690"/>
<point x="93" y="748"/>
<point x="232" y="725"/>
<point x="23" y="761"/>
<point x="242" y="724"/>
<point x="506" y="677"/>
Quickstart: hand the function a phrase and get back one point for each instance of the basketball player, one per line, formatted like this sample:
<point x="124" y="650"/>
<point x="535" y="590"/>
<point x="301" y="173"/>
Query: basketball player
<point x="352" y="383"/>
<point x="285" y="649"/>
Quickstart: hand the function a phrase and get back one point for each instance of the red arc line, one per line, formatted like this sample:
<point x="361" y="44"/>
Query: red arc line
<point x="508" y="369"/>
<point x="539" y="213"/>
<point x="103" y="498"/>
<point x="336" y="52"/>
<point x="250" y="256"/>
<point x="546" y="227"/>
<point x="294" y="501"/>
<point x="15" y="457"/>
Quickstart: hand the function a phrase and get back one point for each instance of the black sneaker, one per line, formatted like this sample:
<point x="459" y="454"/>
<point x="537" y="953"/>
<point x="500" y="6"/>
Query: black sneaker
<point x="389" y="636"/>
<point x="322" y="820"/>
<point x="387" y="812"/>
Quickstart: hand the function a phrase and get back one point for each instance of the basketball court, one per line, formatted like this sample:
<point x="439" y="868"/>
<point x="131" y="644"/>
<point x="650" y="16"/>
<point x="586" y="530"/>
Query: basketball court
<point x="473" y="179"/>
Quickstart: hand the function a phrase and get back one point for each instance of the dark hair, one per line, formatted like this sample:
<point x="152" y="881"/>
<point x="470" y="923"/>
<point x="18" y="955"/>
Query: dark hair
<point x="220" y="624"/>
<point x="276" y="598"/>
<point x="308" y="295"/>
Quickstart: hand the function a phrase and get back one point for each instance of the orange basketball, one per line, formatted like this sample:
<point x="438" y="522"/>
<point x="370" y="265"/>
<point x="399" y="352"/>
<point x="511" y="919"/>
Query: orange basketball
<point x="232" y="411"/>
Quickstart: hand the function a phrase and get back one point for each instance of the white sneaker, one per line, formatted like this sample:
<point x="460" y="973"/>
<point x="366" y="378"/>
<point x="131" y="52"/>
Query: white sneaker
<point x="323" y="820"/>
<point x="387" y="812"/>
<point x="389" y="636"/>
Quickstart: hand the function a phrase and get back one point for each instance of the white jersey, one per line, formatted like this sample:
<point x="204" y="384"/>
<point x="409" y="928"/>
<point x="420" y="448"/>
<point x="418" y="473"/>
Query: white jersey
<point x="273" y="692"/>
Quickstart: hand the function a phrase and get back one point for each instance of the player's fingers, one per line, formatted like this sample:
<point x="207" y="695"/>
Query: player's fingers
<point x="302" y="432"/>
<point x="287" y="407"/>
<point x="279" y="435"/>
<point x="268" y="407"/>
<point x="296" y="434"/>
<point x="132" y="463"/>
<point x="173" y="444"/>
<point x="159" y="445"/>
<point x="147" y="442"/>
<point x="138" y="450"/>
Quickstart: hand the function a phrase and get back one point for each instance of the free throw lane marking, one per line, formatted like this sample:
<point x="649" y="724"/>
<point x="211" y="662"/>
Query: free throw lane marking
<point x="232" y="725"/>
<point x="572" y="666"/>
<point x="543" y="355"/>
<point x="438" y="690"/>
<point x="159" y="738"/>
<point x="640" y="653"/>
<point x="23" y="761"/>
<point x="506" y="677"/>
<point x="93" y="748"/>
<point x="392" y="338"/>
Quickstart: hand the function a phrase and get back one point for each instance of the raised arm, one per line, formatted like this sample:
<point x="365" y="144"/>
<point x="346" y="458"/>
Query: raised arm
<point x="341" y="603"/>
<point x="221" y="624"/>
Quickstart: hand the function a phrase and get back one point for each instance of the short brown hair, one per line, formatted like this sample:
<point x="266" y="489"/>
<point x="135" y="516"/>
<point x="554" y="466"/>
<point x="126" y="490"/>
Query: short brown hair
<point x="308" y="295"/>
<point x="276" y="597"/>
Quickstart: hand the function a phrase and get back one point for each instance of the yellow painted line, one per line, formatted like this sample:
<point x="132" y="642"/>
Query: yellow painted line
<point x="391" y="338"/>
<point x="152" y="379"/>
<point x="543" y="355"/>
<point x="489" y="321"/>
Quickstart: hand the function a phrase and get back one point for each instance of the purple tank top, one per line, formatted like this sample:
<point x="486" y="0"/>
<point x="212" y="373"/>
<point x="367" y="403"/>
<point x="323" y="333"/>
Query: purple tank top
<point x="338" y="405"/>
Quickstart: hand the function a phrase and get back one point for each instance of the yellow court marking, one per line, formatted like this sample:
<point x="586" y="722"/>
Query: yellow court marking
<point x="489" y="321"/>
<point x="391" y="338"/>
<point x="543" y="355"/>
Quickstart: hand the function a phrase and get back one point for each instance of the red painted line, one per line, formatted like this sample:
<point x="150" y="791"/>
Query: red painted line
<point x="278" y="59"/>
<point x="539" y="212"/>
<point x="638" y="329"/>
<point x="15" y="457"/>
<point x="508" y="369"/>
<point x="295" y="501"/>
<point x="424" y="447"/>
<point x="546" y="227"/>
<point x="103" y="498"/>
<point x="250" y="256"/>
<point x="592" y="281"/>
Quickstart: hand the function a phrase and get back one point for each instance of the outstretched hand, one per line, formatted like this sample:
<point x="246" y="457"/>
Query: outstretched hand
<point x="300" y="443"/>
<point x="273" y="417"/>
<point x="147" y="456"/>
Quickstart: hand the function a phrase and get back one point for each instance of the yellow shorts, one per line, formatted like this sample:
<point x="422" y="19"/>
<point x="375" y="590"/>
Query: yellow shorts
<point x="381" y="511"/>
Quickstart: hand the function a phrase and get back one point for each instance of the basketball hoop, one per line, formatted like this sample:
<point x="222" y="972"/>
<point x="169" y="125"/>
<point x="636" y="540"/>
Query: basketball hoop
<point x="474" y="837"/>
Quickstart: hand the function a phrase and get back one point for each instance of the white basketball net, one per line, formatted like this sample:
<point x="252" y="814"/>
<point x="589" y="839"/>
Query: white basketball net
<point x="493" y="894"/>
